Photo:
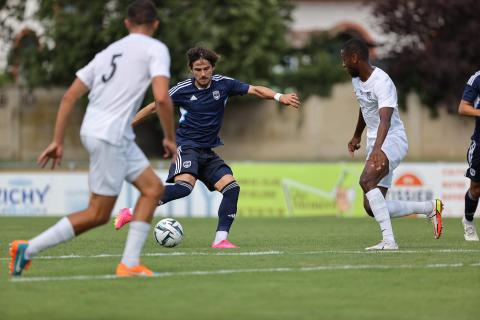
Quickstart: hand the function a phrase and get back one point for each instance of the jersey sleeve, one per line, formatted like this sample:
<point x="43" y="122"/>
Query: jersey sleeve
<point x="175" y="94"/>
<point x="386" y="94"/>
<point x="159" y="64"/>
<point x="236" y="88"/>
<point x="472" y="88"/>
<point x="87" y="73"/>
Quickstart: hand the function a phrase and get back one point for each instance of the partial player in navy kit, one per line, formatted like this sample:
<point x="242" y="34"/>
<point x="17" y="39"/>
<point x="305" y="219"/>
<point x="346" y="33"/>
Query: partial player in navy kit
<point x="469" y="106"/>
<point x="202" y="101"/>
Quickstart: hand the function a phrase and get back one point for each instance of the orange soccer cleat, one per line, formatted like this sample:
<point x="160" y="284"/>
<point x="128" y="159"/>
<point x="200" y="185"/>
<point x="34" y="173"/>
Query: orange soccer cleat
<point x="125" y="271"/>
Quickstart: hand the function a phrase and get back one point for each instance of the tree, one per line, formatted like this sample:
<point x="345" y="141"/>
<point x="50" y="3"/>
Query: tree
<point x="315" y="67"/>
<point x="435" y="46"/>
<point x="249" y="34"/>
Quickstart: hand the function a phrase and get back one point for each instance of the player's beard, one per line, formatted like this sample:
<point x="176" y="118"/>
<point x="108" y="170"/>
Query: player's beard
<point x="353" y="73"/>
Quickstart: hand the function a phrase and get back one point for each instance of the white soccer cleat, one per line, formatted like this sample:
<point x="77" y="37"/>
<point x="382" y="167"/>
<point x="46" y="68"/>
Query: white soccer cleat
<point x="470" y="233"/>
<point x="383" y="245"/>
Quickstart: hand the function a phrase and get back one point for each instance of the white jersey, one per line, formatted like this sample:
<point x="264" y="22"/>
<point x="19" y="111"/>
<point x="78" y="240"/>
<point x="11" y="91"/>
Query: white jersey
<point x="118" y="78"/>
<point x="375" y="93"/>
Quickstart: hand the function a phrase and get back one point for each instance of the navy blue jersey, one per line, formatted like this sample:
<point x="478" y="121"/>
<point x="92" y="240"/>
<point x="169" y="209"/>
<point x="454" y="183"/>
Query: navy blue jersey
<point x="472" y="95"/>
<point x="202" y="109"/>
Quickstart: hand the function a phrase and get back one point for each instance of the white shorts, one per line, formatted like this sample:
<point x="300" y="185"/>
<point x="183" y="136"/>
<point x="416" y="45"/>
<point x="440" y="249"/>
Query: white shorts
<point x="110" y="165"/>
<point x="395" y="148"/>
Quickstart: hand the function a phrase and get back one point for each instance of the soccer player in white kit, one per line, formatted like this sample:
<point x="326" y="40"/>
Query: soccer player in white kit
<point x="387" y="144"/>
<point x="117" y="79"/>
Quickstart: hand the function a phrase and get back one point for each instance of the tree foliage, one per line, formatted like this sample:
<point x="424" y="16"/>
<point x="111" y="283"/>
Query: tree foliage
<point x="435" y="46"/>
<point x="250" y="36"/>
<point x="315" y="67"/>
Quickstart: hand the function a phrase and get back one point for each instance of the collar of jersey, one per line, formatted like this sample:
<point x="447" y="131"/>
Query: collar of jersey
<point x="201" y="89"/>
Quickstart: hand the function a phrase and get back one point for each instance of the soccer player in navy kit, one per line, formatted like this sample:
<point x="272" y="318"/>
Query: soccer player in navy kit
<point x="202" y="101"/>
<point x="469" y="106"/>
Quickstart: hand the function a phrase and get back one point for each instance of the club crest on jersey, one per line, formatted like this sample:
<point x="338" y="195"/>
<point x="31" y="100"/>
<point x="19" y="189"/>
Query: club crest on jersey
<point x="216" y="94"/>
<point x="364" y="95"/>
<point x="187" y="164"/>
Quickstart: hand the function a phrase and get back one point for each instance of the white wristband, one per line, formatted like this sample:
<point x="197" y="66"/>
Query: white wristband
<point x="277" y="96"/>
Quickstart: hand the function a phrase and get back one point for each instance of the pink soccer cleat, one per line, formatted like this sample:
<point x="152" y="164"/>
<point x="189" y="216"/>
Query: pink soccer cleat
<point x="224" y="244"/>
<point x="123" y="217"/>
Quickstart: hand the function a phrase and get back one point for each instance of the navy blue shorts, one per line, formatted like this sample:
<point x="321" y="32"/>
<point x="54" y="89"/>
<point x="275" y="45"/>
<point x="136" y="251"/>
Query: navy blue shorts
<point x="473" y="158"/>
<point x="202" y="163"/>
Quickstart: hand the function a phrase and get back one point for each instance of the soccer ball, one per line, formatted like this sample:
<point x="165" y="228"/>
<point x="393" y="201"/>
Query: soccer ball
<point x="168" y="232"/>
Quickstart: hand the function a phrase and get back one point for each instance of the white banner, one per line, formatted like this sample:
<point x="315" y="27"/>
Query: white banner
<point x="427" y="181"/>
<point x="57" y="194"/>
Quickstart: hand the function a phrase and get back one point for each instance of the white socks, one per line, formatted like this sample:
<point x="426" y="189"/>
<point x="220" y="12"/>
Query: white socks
<point x="220" y="236"/>
<point x="137" y="234"/>
<point x="380" y="211"/>
<point x="60" y="232"/>
<point x="404" y="208"/>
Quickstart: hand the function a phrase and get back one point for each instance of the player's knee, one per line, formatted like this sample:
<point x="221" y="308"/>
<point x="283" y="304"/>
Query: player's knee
<point x="475" y="191"/>
<point x="98" y="216"/>
<point x="154" y="191"/>
<point x="366" y="183"/>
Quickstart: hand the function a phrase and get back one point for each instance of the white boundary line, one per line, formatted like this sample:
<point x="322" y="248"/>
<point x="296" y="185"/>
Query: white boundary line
<point x="254" y="253"/>
<point x="257" y="270"/>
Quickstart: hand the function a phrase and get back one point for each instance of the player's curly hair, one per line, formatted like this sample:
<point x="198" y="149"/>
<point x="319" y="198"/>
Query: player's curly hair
<point x="142" y="12"/>
<point x="197" y="53"/>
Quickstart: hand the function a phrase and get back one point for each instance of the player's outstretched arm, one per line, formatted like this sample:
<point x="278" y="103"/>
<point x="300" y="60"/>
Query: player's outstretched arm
<point x="289" y="99"/>
<point x="164" y="109"/>
<point x="54" y="151"/>
<point x="466" y="108"/>
<point x="144" y="113"/>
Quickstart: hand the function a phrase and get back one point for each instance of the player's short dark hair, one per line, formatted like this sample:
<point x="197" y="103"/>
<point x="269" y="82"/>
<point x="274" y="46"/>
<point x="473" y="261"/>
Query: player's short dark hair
<point x="142" y="12"/>
<point x="198" y="53"/>
<point x="357" y="46"/>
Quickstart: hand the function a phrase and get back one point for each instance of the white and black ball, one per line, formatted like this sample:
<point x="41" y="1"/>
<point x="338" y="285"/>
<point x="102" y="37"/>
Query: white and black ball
<point x="168" y="232"/>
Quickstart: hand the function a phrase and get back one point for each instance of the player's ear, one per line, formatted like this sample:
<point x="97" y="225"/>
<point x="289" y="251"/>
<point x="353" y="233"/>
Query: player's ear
<point x="155" y="24"/>
<point x="127" y="23"/>
<point x="354" y="58"/>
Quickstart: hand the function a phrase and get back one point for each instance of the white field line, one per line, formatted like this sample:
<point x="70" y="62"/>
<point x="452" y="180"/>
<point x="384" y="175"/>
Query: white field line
<point x="253" y="253"/>
<point x="256" y="270"/>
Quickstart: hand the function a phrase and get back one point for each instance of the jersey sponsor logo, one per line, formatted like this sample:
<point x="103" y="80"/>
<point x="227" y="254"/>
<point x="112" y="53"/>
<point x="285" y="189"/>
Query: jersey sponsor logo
<point x="193" y="98"/>
<point x="187" y="164"/>
<point x="216" y="94"/>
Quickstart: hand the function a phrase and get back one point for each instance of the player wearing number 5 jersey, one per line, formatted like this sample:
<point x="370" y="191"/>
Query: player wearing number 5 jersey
<point x="117" y="79"/>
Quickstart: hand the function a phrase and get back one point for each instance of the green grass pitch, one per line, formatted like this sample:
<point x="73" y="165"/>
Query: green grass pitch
<point x="290" y="268"/>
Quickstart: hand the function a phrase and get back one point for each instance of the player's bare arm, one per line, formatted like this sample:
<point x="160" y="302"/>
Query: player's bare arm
<point x="289" y="99"/>
<point x="164" y="109"/>
<point x="466" y="108"/>
<point x="354" y="143"/>
<point x="377" y="157"/>
<point x="54" y="151"/>
<point x="144" y="113"/>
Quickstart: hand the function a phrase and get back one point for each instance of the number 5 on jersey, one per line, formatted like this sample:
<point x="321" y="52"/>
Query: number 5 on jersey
<point x="114" y="68"/>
